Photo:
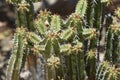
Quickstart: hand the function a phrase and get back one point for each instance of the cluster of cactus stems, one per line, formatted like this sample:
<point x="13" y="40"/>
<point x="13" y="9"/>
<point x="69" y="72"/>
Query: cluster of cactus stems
<point x="70" y="48"/>
<point x="106" y="72"/>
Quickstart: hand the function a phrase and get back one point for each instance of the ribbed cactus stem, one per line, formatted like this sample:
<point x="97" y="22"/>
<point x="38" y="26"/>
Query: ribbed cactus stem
<point x="108" y="38"/>
<point x="74" y="67"/>
<point x="90" y="65"/>
<point x="63" y="66"/>
<point x="97" y="23"/>
<point x="108" y="46"/>
<point x="81" y="64"/>
<point x="19" y="57"/>
<point x="68" y="67"/>
<point x="115" y="49"/>
<point x="12" y="60"/>
<point x="97" y="14"/>
<point x="30" y="15"/>
<point x="21" y="9"/>
<point x="98" y="46"/>
<point x="77" y="68"/>
<point x="90" y="13"/>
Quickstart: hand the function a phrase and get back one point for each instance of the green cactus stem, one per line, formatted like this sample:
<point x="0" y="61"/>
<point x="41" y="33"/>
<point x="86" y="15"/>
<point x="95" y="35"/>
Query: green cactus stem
<point x="91" y="65"/>
<point x="12" y="60"/>
<point x="19" y="56"/>
<point x="115" y="53"/>
<point x="81" y="8"/>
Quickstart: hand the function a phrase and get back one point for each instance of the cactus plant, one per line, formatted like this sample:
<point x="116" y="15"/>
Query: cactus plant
<point x="69" y="47"/>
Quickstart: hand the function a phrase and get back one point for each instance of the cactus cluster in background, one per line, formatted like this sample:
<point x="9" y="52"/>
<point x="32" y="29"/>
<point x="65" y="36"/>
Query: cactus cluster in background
<point x="70" y="48"/>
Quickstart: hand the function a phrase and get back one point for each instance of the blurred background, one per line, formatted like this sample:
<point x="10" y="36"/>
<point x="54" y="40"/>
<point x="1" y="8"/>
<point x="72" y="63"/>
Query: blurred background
<point x="7" y="26"/>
